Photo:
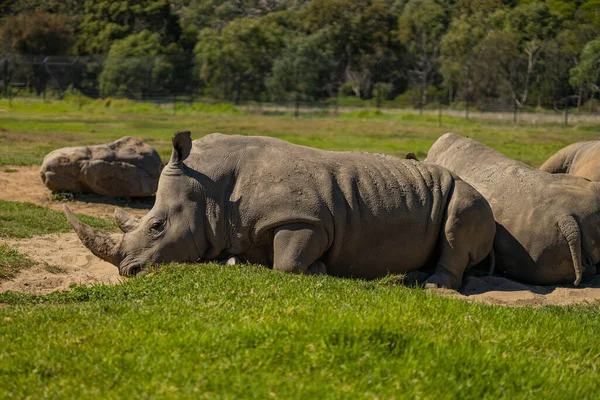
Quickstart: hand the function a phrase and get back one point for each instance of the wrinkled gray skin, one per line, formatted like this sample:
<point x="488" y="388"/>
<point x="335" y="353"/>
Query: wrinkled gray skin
<point x="548" y="226"/>
<point x="579" y="159"/>
<point x="302" y="210"/>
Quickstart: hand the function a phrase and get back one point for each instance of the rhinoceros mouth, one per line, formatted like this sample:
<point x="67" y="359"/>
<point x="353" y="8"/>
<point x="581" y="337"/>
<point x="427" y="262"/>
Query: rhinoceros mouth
<point x="131" y="270"/>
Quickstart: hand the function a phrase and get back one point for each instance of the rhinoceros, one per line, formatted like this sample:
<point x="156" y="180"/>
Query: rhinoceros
<point x="302" y="210"/>
<point x="548" y="226"/>
<point x="580" y="159"/>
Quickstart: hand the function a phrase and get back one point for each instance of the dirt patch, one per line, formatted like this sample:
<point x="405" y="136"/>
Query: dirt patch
<point x="24" y="184"/>
<point x="62" y="261"/>
<point x="497" y="290"/>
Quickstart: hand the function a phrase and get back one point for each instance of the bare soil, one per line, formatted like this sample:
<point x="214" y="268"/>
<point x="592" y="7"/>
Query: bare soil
<point x="63" y="260"/>
<point x="25" y="184"/>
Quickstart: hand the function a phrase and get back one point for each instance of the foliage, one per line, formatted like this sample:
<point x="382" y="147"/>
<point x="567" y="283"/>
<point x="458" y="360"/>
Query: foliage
<point x="485" y="54"/>
<point x="106" y="21"/>
<point x="303" y="68"/>
<point x="237" y="60"/>
<point x="588" y="70"/>
<point x="36" y="34"/>
<point x="138" y="66"/>
<point x="22" y="220"/>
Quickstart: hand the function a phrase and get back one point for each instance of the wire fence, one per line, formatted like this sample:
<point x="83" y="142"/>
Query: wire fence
<point x="169" y="83"/>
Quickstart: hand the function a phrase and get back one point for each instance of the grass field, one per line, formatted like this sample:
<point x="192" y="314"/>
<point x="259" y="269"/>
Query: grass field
<point x="30" y="131"/>
<point x="212" y="331"/>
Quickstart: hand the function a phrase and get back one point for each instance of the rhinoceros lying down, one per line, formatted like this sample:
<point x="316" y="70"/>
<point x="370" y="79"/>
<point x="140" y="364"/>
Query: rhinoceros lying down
<point x="548" y="226"/>
<point x="580" y="159"/>
<point x="299" y="209"/>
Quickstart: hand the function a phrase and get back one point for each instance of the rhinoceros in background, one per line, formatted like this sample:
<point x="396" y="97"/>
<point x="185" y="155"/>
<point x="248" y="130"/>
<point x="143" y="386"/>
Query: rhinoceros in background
<point x="548" y="226"/>
<point x="580" y="159"/>
<point x="299" y="209"/>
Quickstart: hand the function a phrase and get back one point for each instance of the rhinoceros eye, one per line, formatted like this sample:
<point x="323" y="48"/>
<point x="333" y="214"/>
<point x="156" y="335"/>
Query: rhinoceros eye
<point x="157" y="227"/>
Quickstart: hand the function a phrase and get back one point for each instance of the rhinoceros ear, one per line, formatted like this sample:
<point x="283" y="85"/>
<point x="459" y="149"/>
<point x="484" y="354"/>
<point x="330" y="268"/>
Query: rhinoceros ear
<point x="182" y="145"/>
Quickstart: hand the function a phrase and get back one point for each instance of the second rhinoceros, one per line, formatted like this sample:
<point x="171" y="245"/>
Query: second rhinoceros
<point x="548" y="225"/>
<point x="303" y="210"/>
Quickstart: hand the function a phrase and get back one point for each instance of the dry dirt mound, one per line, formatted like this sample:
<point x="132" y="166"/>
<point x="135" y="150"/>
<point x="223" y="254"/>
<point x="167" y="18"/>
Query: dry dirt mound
<point x="63" y="261"/>
<point x="25" y="184"/>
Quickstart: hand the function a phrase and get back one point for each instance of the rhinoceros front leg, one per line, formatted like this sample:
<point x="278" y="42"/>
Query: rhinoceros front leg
<point x="298" y="247"/>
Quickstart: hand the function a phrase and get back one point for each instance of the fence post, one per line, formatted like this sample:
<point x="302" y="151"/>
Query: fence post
<point x="439" y="114"/>
<point x="566" y="115"/>
<point x="515" y="111"/>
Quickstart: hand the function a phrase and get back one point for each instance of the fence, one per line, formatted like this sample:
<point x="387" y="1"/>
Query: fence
<point x="169" y="81"/>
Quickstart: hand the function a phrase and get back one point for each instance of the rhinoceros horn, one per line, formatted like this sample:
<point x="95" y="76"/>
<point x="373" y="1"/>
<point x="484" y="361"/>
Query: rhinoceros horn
<point x="103" y="245"/>
<point x="125" y="221"/>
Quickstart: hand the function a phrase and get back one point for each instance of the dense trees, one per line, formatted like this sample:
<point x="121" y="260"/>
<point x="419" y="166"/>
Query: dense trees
<point x="486" y="53"/>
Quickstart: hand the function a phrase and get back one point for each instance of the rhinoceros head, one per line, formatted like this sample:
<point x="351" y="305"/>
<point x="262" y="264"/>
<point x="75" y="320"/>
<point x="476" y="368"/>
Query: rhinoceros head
<point x="172" y="231"/>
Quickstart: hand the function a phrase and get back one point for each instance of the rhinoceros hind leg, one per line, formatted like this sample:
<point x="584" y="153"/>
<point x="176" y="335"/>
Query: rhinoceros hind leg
<point x="467" y="236"/>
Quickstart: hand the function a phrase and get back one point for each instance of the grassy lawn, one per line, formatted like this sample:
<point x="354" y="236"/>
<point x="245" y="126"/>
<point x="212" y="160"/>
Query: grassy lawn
<point x="213" y="331"/>
<point x="248" y="332"/>
<point x="29" y="132"/>
<point x="23" y="220"/>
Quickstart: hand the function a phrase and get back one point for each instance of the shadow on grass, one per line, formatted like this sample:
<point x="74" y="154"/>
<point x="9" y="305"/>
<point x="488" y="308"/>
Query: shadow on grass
<point x="140" y="203"/>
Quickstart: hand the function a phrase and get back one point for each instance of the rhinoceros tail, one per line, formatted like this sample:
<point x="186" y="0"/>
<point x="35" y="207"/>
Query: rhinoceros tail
<point x="570" y="230"/>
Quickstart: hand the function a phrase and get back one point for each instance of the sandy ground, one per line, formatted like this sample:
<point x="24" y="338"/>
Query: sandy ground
<point x="26" y="185"/>
<point x="63" y="260"/>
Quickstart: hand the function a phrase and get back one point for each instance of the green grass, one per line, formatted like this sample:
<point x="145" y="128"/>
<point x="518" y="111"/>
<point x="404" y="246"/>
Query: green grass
<point x="206" y="331"/>
<point x="11" y="261"/>
<point x="23" y="220"/>
<point x="30" y="131"/>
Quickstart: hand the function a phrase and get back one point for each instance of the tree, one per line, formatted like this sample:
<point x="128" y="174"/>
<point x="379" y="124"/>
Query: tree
<point x="534" y="26"/>
<point x="363" y="39"/>
<point x="422" y="25"/>
<point x="237" y="60"/>
<point x="37" y="34"/>
<point x="138" y="67"/>
<point x="106" y="21"/>
<point x="303" y="68"/>
<point x="588" y="71"/>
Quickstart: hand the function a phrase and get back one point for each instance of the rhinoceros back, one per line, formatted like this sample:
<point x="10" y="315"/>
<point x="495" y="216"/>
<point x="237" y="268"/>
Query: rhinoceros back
<point x="382" y="214"/>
